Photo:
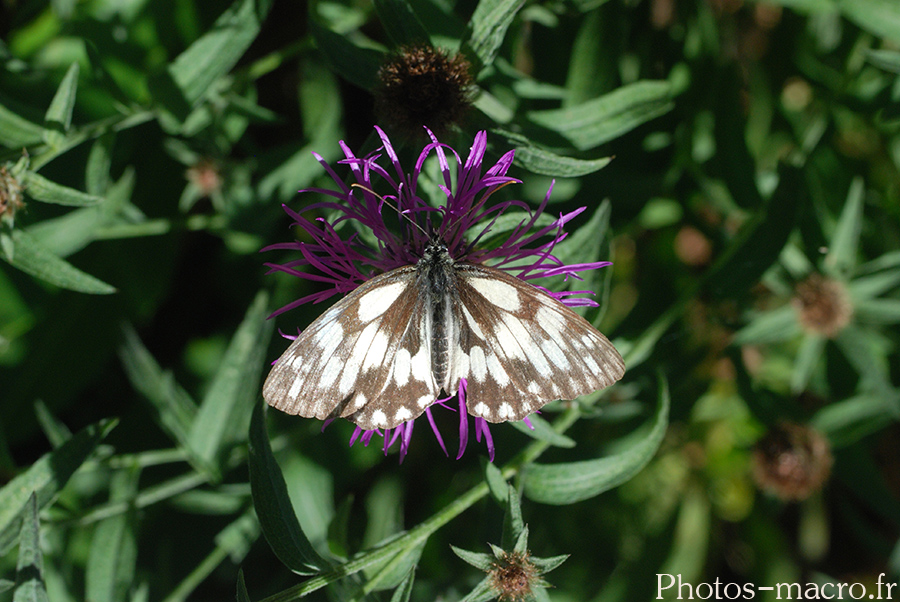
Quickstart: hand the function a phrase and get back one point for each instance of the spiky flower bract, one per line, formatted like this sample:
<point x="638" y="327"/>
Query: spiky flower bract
<point x="384" y="220"/>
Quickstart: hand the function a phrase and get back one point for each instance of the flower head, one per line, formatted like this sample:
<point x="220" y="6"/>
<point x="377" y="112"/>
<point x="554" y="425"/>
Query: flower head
<point x="792" y="461"/>
<point x="386" y="219"/>
<point x="512" y="575"/>
<point x="10" y="194"/>
<point x="423" y="86"/>
<point x="823" y="305"/>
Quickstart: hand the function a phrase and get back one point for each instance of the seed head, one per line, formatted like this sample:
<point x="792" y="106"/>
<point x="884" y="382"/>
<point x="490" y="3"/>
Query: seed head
<point x="423" y="86"/>
<point x="10" y="194"/>
<point x="792" y="461"/>
<point x="823" y="305"/>
<point x="513" y="576"/>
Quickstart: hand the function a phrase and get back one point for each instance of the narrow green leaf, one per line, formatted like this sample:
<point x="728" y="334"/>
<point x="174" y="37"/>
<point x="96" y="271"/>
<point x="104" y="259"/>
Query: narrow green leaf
<point x="760" y="241"/>
<point x="17" y="132"/>
<point x="878" y="311"/>
<point x="33" y="259"/>
<point x="46" y="478"/>
<point x="111" y="561"/>
<point x="842" y="251"/>
<point x="30" y="566"/>
<point x="76" y="229"/>
<point x="224" y="414"/>
<point x="242" y="594"/>
<point x="175" y="411"/>
<point x="214" y="54"/>
<point x="479" y="560"/>
<point x="401" y="23"/>
<point x="543" y="432"/>
<point x="571" y="482"/>
<point x="889" y="60"/>
<point x="773" y="326"/>
<point x="357" y="65"/>
<point x="404" y="590"/>
<point x="848" y="421"/>
<point x="495" y="481"/>
<point x="541" y="161"/>
<point x="58" y="118"/>
<point x="273" y="505"/>
<point x="487" y="28"/>
<point x="57" y="432"/>
<point x="390" y="574"/>
<point x="513" y="523"/>
<point x="6" y="585"/>
<point x="602" y="119"/>
<point x="482" y="592"/>
<point x="806" y="362"/>
<point x="99" y="160"/>
<point x="880" y="17"/>
<point x="41" y="189"/>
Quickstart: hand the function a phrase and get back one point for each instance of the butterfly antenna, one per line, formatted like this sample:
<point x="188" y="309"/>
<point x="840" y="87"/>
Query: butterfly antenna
<point x="384" y="201"/>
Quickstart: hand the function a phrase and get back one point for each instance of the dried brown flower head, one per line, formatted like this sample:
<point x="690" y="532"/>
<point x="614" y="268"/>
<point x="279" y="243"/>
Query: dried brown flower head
<point x="423" y="86"/>
<point x="512" y="576"/>
<point x="205" y="175"/>
<point x="823" y="305"/>
<point x="792" y="461"/>
<point x="10" y="194"/>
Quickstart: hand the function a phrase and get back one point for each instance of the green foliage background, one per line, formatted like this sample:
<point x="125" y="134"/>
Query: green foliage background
<point x="725" y="150"/>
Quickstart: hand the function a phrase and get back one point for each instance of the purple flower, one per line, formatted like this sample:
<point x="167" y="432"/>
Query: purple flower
<point x="393" y="230"/>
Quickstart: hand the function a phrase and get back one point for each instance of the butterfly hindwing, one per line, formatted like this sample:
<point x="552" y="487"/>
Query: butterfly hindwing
<point x="520" y="348"/>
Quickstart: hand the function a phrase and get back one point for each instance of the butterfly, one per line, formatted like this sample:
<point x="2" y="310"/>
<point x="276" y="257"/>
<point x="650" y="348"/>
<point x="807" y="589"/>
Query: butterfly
<point x="401" y="340"/>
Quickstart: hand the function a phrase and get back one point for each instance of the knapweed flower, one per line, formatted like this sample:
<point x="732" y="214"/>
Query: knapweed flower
<point x="792" y="461"/>
<point x="512" y="576"/>
<point x="421" y="85"/>
<point x="390" y="219"/>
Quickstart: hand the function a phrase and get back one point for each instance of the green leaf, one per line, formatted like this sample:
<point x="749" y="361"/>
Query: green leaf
<point x="113" y="551"/>
<point x="807" y="360"/>
<point x="479" y="560"/>
<point x="760" y="241"/>
<point x="224" y="414"/>
<point x="58" y="118"/>
<point x="889" y="60"/>
<point x="543" y="431"/>
<point x="190" y="76"/>
<point x="30" y="566"/>
<point x="32" y="258"/>
<point x="17" y="132"/>
<point x="513" y="523"/>
<point x="401" y="23"/>
<point x="391" y="573"/>
<point x="175" y="411"/>
<point x="481" y="593"/>
<point x="273" y="505"/>
<point x="57" y="432"/>
<point x="566" y="483"/>
<point x="495" y="481"/>
<point x="841" y="257"/>
<point x="602" y="119"/>
<point x="487" y="28"/>
<point x="41" y="189"/>
<point x="242" y="594"/>
<point x="773" y="326"/>
<point x="46" y="478"/>
<point x="878" y="311"/>
<point x="404" y="590"/>
<point x="96" y="177"/>
<point x="880" y="17"/>
<point x="849" y="421"/>
<point x="356" y="64"/>
<point x="541" y="161"/>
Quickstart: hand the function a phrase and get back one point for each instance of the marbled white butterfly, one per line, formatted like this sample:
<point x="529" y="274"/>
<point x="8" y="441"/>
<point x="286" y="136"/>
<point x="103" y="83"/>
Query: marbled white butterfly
<point x="405" y="338"/>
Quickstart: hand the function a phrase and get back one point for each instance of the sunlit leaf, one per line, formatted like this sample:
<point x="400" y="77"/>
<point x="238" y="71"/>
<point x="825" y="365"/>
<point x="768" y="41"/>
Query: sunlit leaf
<point x="570" y="482"/>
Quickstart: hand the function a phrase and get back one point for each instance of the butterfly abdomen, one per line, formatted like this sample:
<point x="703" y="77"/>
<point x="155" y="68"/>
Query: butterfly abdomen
<point x="437" y="282"/>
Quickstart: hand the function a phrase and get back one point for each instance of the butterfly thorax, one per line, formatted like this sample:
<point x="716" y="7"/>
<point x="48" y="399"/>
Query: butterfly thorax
<point x="436" y="281"/>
